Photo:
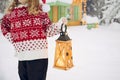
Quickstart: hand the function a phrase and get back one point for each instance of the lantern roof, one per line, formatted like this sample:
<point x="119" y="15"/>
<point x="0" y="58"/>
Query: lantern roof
<point x="58" y="3"/>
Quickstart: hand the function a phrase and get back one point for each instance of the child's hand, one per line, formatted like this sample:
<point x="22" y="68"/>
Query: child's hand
<point x="64" y="20"/>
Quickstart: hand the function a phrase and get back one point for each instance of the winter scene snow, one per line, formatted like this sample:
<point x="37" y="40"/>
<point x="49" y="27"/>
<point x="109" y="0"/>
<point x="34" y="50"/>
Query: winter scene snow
<point x="96" y="51"/>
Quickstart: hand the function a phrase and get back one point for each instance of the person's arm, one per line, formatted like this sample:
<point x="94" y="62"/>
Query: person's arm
<point x="52" y="28"/>
<point x="5" y="27"/>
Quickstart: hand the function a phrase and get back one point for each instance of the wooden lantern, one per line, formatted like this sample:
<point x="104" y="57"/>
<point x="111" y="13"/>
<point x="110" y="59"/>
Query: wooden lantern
<point x="63" y="53"/>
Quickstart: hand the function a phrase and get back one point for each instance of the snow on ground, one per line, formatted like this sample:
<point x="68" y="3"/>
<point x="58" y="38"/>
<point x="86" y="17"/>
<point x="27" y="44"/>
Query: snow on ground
<point x="90" y="19"/>
<point x="96" y="55"/>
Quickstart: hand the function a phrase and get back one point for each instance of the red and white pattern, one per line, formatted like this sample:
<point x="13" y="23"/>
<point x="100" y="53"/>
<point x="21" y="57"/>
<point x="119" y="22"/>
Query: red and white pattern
<point x="34" y="33"/>
<point x="13" y="14"/>
<point x="23" y="35"/>
<point x="15" y="36"/>
<point x="31" y="45"/>
<point x="21" y="13"/>
<point x="28" y="33"/>
<point x="17" y="24"/>
<point x="37" y="21"/>
<point x="27" y="22"/>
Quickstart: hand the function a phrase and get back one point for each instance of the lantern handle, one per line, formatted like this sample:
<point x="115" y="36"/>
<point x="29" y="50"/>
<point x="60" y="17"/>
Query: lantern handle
<point x="62" y="28"/>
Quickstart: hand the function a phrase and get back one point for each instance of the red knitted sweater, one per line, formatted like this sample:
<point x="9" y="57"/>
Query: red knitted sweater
<point x="28" y="33"/>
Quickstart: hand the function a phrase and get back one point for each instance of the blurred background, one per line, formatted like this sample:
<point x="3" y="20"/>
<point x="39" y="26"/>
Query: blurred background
<point x="95" y="44"/>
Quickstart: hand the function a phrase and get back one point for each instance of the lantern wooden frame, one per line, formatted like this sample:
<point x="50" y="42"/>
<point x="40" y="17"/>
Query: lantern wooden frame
<point x="63" y="55"/>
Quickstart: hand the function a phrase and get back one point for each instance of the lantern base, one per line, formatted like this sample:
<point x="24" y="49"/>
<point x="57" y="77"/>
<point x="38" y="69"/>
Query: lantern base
<point x="63" y="68"/>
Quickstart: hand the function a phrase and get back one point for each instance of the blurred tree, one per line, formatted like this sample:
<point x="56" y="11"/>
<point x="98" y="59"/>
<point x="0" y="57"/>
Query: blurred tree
<point x="94" y="7"/>
<point x="111" y="12"/>
<point x="3" y="4"/>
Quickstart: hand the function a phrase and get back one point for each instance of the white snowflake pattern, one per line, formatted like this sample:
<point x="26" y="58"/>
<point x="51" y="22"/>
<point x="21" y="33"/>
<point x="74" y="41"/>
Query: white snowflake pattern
<point x="37" y="21"/>
<point x="4" y="30"/>
<point x="21" y="13"/>
<point x="43" y="34"/>
<point x="27" y="22"/>
<point x="15" y="36"/>
<point x="13" y="14"/>
<point x="46" y="21"/>
<point x="34" y="33"/>
<point x="12" y="25"/>
<point x="17" y="24"/>
<point x="23" y="35"/>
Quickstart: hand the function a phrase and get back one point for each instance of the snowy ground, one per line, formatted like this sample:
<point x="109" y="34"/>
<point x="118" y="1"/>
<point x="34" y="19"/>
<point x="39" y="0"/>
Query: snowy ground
<point x="96" y="55"/>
